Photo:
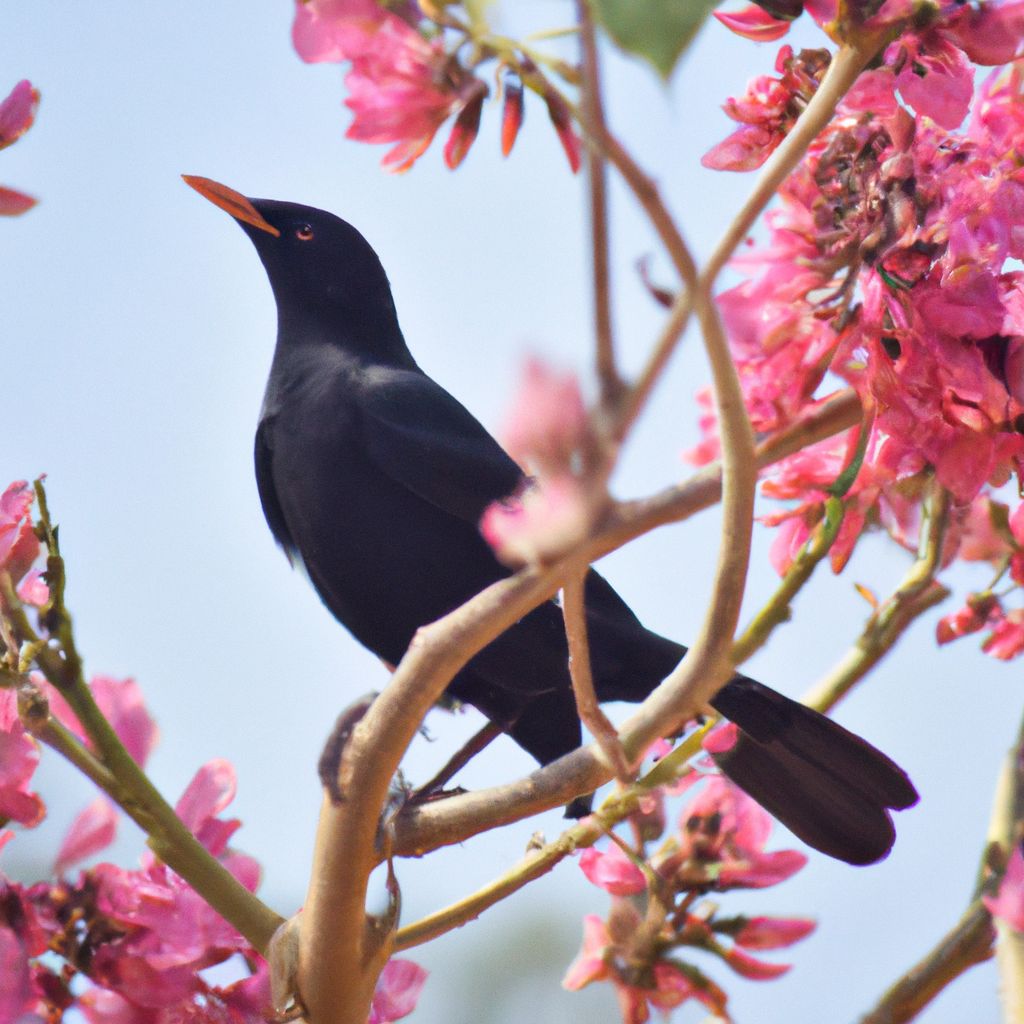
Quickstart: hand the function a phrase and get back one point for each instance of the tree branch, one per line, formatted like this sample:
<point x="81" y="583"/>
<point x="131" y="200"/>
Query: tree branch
<point x="575" y="614"/>
<point x="593" y="120"/>
<point x="586" y="832"/>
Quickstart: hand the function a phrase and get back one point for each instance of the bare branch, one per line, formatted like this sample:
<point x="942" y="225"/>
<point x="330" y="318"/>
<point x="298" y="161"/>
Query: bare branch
<point x="968" y="943"/>
<point x="575" y="613"/>
<point x="482" y="738"/>
<point x="593" y="120"/>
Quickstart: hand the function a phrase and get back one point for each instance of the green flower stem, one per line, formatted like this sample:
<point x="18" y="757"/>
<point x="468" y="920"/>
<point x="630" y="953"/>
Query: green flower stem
<point x="917" y="592"/>
<point x="34" y="711"/>
<point x="777" y="610"/>
<point x="586" y="832"/>
<point x="120" y="776"/>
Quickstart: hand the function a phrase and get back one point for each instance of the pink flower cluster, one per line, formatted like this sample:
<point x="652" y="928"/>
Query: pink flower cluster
<point x="891" y="266"/>
<point x="403" y="84"/>
<point x="122" y="946"/>
<point x="17" y="112"/>
<point x="139" y="938"/>
<point x="548" y="433"/>
<point x="718" y="845"/>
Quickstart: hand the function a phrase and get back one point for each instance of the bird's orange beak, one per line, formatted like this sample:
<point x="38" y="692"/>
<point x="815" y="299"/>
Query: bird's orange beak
<point x="233" y="202"/>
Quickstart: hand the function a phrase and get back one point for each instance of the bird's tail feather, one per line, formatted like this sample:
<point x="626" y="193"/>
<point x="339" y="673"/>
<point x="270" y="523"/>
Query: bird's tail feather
<point x="831" y="788"/>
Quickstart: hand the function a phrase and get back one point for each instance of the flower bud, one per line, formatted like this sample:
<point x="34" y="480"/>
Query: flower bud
<point x="561" y="119"/>
<point x="464" y="131"/>
<point x="512" y="114"/>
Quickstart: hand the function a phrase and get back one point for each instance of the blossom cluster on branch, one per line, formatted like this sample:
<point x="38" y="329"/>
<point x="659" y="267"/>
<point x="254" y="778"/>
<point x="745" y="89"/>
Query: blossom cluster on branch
<point x="409" y="73"/>
<point x="123" y="946"/>
<point x="890" y="265"/>
<point x="658" y="905"/>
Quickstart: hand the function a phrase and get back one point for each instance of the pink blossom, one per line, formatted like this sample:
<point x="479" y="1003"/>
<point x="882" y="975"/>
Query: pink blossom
<point x="990" y="34"/>
<point x="790" y="537"/>
<point x="773" y="932"/>
<point x="591" y="963"/>
<point x="541" y="523"/>
<point x="751" y="968"/>
<point x="612" y="871"/>
<point x="93" y="830"/>
<point x="723" y="834"/>
<point x="13" y="202"/>
<point x="32" y="590"/>
<point x="398" y="991"/>
<point x="721" y="739"/>
<point x="767" y="111"/>
<point x="17" y="112"/>
<point x="334" y="30"/>
<point x="1008" y="903"/>
<point x="979" y="539"/>
<point x="167" y="931"/>
<point x="211" y="790"/>
<point x="17" y="993"/>
<point x="244" y="1002"/>
<point x="753" y="22"/>
<point x="547" y="421"/>
<point x="19" y="545"/>
<point x="19" y="757"/>
<point x="598" y="961"/>
<point x="121" y="702"/>
<point x="399" y="87"/>
<point x="937" y="79"/>
<point x="971" y="618"/>
<point x="548" y="432"/>
<point x="1007" y="639"/>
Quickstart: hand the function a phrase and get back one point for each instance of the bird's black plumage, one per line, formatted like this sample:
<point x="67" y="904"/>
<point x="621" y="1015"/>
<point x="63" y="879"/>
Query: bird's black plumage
<point x="375" y="478"/>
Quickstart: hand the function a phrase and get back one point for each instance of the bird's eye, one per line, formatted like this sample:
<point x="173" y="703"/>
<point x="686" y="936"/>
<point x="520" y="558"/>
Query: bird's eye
<point x="304" y="234"/>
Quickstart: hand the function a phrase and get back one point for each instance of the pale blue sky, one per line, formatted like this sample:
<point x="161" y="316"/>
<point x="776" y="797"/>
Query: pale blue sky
<point x="137" y="331"/>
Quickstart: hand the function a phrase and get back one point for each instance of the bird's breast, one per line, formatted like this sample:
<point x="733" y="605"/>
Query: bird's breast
<point x="382" y="559"/>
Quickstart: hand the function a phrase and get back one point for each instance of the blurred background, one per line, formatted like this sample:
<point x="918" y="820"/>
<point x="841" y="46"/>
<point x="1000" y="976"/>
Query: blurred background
<point x="137" y="332"/>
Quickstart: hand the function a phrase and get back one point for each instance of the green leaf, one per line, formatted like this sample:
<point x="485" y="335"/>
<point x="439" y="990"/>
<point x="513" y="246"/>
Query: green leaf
<point x="657" y="30"/>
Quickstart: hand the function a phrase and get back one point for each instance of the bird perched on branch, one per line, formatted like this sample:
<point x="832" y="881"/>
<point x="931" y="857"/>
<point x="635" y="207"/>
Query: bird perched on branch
<point x="375" y="479"/>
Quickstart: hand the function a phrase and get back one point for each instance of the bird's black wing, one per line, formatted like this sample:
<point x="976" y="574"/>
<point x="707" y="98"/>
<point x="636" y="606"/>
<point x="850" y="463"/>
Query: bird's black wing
<point x="424" y="439"/>
<point x="264" y="454"/>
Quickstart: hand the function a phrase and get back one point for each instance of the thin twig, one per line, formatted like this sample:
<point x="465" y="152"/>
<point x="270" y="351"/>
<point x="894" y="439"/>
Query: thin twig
<point x="575" y="614"/>
<point x="777" y="610"/>
<point x="478" y="741"/>
<point x="593" y="119"/>
<point x="586" y="832"/>
<point x="969" y="942"/>
<point x="917" y="592"/>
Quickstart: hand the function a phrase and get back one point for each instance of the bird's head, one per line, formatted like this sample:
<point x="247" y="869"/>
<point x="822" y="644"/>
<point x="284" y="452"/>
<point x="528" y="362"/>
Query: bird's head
<point x="323" y="272"/>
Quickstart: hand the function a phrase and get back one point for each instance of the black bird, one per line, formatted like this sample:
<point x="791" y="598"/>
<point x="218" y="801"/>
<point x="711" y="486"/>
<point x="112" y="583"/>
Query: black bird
<point x="375" y="479"/>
